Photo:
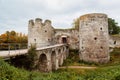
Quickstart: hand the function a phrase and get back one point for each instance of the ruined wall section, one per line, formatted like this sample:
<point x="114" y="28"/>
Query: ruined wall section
<point x="72" y="36"/>
<point x="114" y="41"/>
<point x="94" y="39"/>
<point x="40" y="34"/>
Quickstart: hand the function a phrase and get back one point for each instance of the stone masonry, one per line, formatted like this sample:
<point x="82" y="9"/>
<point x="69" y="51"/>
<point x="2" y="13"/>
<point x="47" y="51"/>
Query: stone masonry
<point x="40" y="34"/>
<point x="94" y="39"/>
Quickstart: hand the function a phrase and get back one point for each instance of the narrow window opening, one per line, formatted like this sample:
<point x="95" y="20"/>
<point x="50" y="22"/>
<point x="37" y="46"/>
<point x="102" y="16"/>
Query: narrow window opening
<point x="100" y="28"/>
<point x="114" y="42"/>
<point x="101" y="47"/>
<point x="64" y="40"/>
<point x="82" y="47"/>
<point x="48" y="39"/>
<point x="45" y="31"/>
<point x="92" y="19"/>
<point x="95" y="38"/>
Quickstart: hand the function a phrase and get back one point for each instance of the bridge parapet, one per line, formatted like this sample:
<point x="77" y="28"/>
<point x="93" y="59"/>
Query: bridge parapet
<point x="12" y="53"/>
<point x="8" y="50"/>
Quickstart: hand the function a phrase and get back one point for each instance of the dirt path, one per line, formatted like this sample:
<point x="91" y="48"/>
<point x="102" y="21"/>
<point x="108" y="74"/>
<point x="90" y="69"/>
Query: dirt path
<point x="84" y="67"/>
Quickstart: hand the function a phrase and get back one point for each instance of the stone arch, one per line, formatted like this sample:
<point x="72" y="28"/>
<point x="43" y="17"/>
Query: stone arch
<point x="43" y="63"/>
<point x="63" y="38"/>
<point x="53" y="60"/>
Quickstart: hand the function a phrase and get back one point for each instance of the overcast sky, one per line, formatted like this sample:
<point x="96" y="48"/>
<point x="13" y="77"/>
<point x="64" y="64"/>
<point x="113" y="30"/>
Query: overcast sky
<point x="14" y="14"/>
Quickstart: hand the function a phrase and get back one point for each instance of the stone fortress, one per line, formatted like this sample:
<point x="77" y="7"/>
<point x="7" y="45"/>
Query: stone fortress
<point x="92" y="38"/>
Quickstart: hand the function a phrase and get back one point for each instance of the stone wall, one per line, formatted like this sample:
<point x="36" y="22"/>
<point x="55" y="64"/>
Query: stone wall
<point x="94" y="40"/>
<point x="71" y="36"/>
<point x="40" y="34"/>
<point x="114" y="41"/>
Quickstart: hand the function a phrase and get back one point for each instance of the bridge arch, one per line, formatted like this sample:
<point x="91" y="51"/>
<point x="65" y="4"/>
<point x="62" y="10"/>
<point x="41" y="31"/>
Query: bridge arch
<point x="43" y="63"/>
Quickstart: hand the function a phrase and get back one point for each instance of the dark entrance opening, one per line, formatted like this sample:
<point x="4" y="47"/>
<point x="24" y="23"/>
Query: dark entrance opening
<point x="43" y="63"/>
<point x="114" y="42"/>
<point x="64" y="40"/>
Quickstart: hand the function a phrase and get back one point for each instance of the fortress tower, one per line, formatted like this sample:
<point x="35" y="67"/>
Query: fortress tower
<point x="40" y="34"/>
<point x="93" y="38"/>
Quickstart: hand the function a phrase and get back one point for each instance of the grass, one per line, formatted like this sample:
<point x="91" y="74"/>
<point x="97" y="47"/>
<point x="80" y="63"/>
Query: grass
<point x="8" y="72"/>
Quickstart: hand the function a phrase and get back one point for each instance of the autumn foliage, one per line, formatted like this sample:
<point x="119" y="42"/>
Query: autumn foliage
<point x="12" y="38"/>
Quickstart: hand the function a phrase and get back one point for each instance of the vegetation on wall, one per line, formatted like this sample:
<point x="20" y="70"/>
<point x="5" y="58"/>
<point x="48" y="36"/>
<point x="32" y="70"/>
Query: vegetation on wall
<point x="31" y="57"/>
<point x="73" y="58"/>
<point x="76" y="23"/>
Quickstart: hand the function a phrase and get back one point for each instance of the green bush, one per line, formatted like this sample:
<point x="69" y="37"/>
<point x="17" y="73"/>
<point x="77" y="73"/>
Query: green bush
<point x="117" y="77"/>
<point x="8" y="72"/>
<point x="25" y="61"/>
<point x="31" y="57"/>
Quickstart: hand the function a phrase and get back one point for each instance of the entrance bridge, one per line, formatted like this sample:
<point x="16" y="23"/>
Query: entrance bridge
<point x="48" y="58"/>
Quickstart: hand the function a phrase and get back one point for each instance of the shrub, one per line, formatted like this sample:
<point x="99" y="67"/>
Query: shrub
<point x="31" y="57"/>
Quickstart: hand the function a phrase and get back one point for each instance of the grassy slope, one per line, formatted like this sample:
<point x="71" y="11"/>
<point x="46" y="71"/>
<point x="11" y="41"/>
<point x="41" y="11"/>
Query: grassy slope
<point x="110" y="71"/>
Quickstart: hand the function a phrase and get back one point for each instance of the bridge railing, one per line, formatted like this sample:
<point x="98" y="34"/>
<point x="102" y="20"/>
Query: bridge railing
<point x="40" y="45"/>
<point x="15" y="49"/>
<point x="8" y="50"/>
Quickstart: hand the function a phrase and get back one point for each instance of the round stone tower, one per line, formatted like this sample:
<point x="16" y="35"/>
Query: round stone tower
<point x="93" y="40"/>
<point x="40" y="34"/>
